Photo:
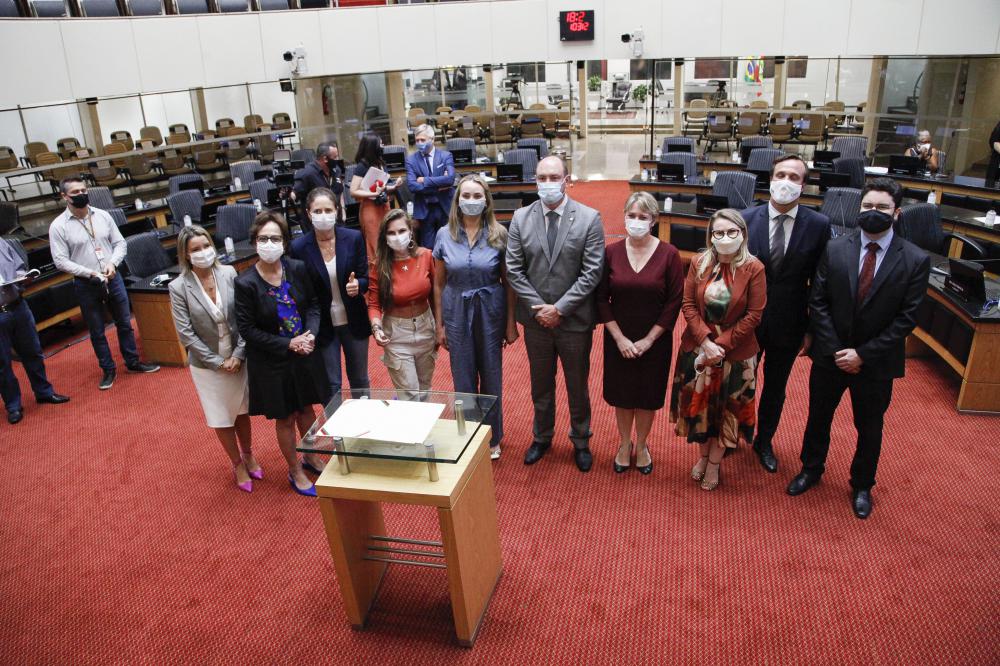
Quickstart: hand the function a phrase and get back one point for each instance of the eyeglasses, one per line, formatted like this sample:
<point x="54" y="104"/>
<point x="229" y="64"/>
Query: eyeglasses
<point x="731" y="233"/>
<point x="270" y="239"/>
<point x="882" y="208"/>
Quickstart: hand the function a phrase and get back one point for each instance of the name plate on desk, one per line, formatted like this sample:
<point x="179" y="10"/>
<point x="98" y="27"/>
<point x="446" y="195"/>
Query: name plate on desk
<point x="966" y="280"/>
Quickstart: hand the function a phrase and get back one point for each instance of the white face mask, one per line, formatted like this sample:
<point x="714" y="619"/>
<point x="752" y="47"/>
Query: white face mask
<point x="550" y="193"/>
<point x="472" y="207"/>
<point x="323" y="221"/>
<point x="270" y="252"/>
<point x="203" y="258"/>
<point x="399" y="242"/>
<point x="785" y="191"/>
<point x="727" y="245"/>
<point x="637" y="227"/>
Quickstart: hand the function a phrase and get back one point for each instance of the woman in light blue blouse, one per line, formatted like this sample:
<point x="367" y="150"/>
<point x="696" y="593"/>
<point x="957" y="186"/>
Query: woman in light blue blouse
<point x="474" y="305"/>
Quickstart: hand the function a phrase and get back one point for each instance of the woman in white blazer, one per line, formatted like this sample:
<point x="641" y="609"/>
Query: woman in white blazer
<point x="202" y="299"/>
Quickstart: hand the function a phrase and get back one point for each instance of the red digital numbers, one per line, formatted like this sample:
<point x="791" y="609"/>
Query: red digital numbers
<point x="577" y="22"/>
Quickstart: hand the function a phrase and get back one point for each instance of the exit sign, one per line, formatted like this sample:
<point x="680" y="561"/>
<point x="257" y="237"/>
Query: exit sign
<point x="576" y="26"/>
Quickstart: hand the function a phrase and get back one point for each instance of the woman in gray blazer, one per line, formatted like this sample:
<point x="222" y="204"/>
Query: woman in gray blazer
<point x="203" y="303"/>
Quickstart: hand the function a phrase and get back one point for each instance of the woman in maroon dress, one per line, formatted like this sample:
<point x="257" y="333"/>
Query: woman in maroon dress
<point x="638" y="301"/>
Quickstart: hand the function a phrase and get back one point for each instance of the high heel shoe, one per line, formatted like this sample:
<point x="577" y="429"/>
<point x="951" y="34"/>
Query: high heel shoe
<point x="645" y="469"/>
<point x="308" y="492"/>
<point x="257" y="474"/>
<point x="712" y="485"/>
<point x="246" y="486"/>
<point x="698" y="472"/>
<point x="623" y="468"/>
<point x="309" y="466"/>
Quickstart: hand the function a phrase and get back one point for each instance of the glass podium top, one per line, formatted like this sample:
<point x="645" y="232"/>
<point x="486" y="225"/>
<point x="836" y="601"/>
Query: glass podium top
<point x="425" y="426"/>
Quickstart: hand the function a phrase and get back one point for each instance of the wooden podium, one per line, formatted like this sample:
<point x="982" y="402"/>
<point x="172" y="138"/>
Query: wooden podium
<point x="463" y="494"/>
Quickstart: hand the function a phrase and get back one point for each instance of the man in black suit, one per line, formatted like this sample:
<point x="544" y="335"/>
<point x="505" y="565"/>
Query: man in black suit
<point x="789" y="239"/>
<point x="321" y="172"/>
<point x="863" y="305"/>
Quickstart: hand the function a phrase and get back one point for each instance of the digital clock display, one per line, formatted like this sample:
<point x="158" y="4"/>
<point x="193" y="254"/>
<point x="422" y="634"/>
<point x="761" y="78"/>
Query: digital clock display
<point x="576" y="26"/>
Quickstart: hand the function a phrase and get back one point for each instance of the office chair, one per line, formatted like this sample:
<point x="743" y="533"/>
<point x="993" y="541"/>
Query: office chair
<point x="140" y="170"/>
<point x="677" y="141"/>
<point x="144" y="256"/>
<point x="260" y="189"/>
<point x="853" y="167"/>
<point x="191" y="6"/>
<point x="543" y="146"/>
<point x="348" y="175"/>
<point x="32" y="150"/>
<point x="842" y="205"/>
<point x="688" y="160"/>
<point x="281" y="120"/>
<point x="172" y="163"/>
<point x="67" y="147"/>
<point x="850" y="146"/>
<point x="48" y="8"/>
<point x="99" y="8"/>
<point x="921" y="225"/>
<point x="234" y="221"/>
<point x="145" y="7"/>
<point x="103" y="173"/>
<point x="245" y="171"/>
<point x="695" y="118"/>
<point x="621" y="93"/>
<point x="118" y="215"/>
<point x="101" y="197"/>
<point x="253" y="122"/>
<point x="526" y="157"/>
<point x="151" y="133"/>
<point x="232" y="6"/>
<point x="391" y="148"/>
<point x="306" y="155"/>
<point x="762" y="159"/>
<point x="264" y="147"/>
<point x="812" y="129"/>
<point x="719" y="128"/>
<point x="185" y="202"/>
<point x="271" y="5"/>
<point x="174" y="184"/>
<point x="123" y="137"/>
<point x="8" y="160"/>
<point x="737" y="186"/>
<point x="460" y="143"/>
<point x="10" y="218"/>
<point x="757" y="141"/>
<point x="8" y="9"/>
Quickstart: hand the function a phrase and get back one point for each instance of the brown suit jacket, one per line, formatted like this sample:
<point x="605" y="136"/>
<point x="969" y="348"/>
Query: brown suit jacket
<point x="745" y="309"/>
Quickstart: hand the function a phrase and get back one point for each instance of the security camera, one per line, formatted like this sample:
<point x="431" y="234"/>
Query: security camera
<point x="288" y="56"/>
<point x="635" y="39"/>
<point x="296" y="59"/>
<point x="626" y="38"/>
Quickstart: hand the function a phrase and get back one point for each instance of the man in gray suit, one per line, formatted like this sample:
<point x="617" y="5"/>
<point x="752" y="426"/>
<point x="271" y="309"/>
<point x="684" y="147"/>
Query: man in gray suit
<point x="555" y="255"/>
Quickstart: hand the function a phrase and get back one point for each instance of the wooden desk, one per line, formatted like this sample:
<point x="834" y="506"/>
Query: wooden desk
<point x="465" y="500"/>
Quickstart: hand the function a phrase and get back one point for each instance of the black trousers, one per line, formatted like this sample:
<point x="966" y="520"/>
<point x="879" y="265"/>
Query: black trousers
<point x="869" y="400"/>
<point x="778" y="362"/>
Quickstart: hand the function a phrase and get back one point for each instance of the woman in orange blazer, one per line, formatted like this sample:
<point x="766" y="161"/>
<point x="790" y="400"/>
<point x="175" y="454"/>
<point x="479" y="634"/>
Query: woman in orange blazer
<point x="714" y="388"/>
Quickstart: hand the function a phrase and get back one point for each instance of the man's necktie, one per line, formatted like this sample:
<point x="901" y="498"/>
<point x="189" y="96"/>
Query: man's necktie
<point x="778" y="242"/>
<point x="430" y="169"/>
<point x="867" y="272"/>
<point x="553" y="229"/>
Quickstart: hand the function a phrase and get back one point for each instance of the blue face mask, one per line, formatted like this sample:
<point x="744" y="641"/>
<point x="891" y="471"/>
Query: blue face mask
<point x="424" y="146"/>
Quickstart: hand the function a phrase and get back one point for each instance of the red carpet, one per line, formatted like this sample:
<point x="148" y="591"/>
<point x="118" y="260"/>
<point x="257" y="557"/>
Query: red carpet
<point x="123" y="540"/>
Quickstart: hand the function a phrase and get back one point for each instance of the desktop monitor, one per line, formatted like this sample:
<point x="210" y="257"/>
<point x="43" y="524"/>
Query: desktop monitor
<point x="393" y="160"/>
<point x="136" y="227"/>
<point x="763" y="177"/>
<point x="905" y="165"/>
<point x="828" y="179"/>
<point x="41" y="259"/>
<point x="284" y="179"/>
<point x="670" y="173"/>
<point x="261" y="174"/>
<point x="966" y="280"/>
<point x="510" y="173"/>
<point x="462" y="155"/>
<point x="823" y="159"/>
<point x="208" y="211"/>
<point x="710" y="203"/>
<point x="282" y="155"/>
<point x="679" y="148"/>
<point x="191" y="185"/>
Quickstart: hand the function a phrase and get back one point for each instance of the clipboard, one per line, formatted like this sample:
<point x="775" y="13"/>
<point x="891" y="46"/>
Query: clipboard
<point x="372" y="177"/>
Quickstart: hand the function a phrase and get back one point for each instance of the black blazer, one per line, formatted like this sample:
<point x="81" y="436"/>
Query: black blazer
<point x="351" y="257"/>
<point x="786" y="316"/>
<point x="257" y="314"/>
<point x="877" y="328"/>
<point x="311" y="176"/>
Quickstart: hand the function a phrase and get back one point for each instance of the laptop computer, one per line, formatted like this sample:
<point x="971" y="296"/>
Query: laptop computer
<point x="679" y="148"/>
<point x="828" y="179"/>
<point x="966" y="280"/>
<point x="510" y="173"/>
<point x="670" y="173"/>
<point x="393" y="160"/>
<point x="904" y="165"/>
<point x="462" y="155"/>
<point x="706" y="204"/>
<point x="823" y="159"/>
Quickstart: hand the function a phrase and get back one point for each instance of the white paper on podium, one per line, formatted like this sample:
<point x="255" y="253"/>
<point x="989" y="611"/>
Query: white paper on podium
<point x="374" y="175"/>
<point x="384" y="420"/>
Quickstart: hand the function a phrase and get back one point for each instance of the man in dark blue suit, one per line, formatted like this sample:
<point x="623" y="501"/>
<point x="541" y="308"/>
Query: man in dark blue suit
<point x="865" y="296"/>
<point x="789" y="239"/>
<point x="430" y="175"/>
<point x="321" y="172"/>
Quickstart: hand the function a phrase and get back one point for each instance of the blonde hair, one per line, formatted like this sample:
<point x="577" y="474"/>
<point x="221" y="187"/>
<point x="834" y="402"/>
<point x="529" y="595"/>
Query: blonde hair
<point x="496" y="235"/>
<point x="186" y="235"/>
<point x="710" y="257"/>
<point x="647" y="204"/>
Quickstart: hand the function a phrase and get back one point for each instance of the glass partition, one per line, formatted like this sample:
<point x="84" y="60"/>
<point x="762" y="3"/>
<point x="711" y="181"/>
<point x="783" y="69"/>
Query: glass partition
<point x="51" y="123"/>
<point x="120" y="114"/>
<point x="232" y="102"/>
<point x="11" y="132"/>
<point x="168" y="109"/>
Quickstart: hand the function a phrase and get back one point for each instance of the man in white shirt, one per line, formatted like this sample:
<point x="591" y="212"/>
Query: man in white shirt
<point x="87" y="244"/>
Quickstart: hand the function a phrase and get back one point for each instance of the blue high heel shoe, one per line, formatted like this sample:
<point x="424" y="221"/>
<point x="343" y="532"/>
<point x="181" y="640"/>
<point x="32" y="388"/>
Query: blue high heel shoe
<point x="308" y="492"/>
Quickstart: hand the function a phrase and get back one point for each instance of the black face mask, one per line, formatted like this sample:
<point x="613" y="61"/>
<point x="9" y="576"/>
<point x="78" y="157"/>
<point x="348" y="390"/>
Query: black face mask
<point x="874" y="221"/>
<point x="80" y="200"/>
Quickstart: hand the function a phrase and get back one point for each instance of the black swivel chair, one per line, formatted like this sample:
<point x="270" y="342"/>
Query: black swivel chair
<point x="144" y="256"/>
<point x="921" y="225"/>
<point x="306" y="155"/>
<point x="185" y="202"/>
<point x="853" y="167"/>
<point x="526" y="157"/>
<point x="842" y="205"/>
<point x="677" y="141"/>
<point x="543" y="146"/>
<point x="175" y="182"/>
<point x="234" y="221"/>
<point x="688" y="160"/>
<point x="118" y="215"/>
<point x="260" y="189"/>
<point x="737" y="186"/>
<point x="105" y="8"/>
<point x="101" y="197"/>
<point x="762" y="159"/>
<point x="8" y="9"/>
<point x="10" y="217"/>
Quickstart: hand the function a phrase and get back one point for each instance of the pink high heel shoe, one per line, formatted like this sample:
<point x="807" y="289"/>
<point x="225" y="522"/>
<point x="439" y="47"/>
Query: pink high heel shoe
<point x="256" y="473"/>
<point x="246" y="486"/>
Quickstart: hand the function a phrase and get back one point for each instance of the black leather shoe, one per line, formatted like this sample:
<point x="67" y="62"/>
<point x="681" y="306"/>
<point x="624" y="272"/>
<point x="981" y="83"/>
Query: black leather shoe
<point x="15" y="416"/>
<point x="584" y="459"/>
<point x="535" y="453"/>
<point x="107" y="380"/>
<point x="801" y="483"/>
<point x="765" y="454"/>
<point x="143" y="368"/>
<point x="620" y="469"/>
<point x="54" y="399"/>
<point x="861" y="502"/>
